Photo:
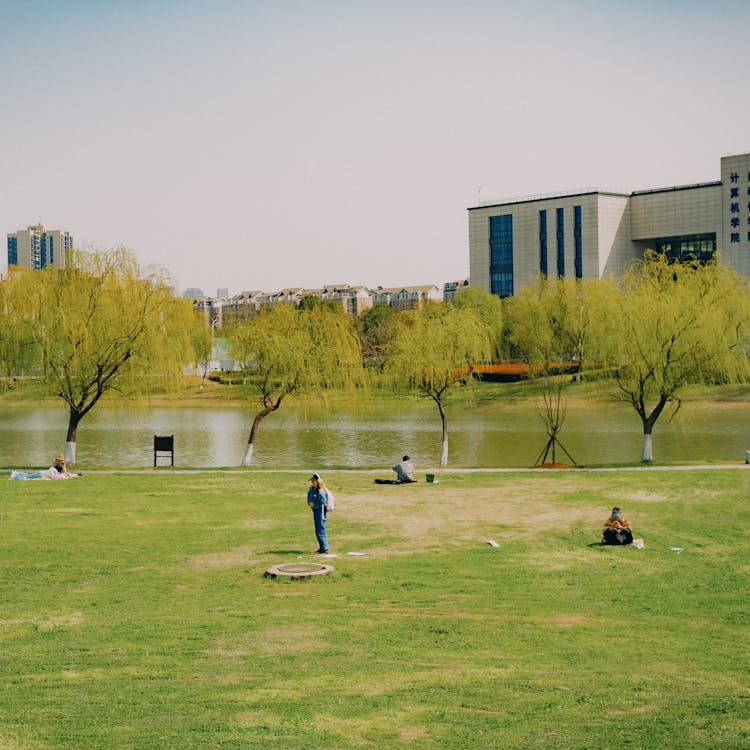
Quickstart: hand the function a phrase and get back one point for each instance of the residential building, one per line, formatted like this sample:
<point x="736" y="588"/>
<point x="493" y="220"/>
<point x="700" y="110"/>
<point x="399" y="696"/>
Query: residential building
<point x="595" y="233"/>
<point x="407" y="297"/>
<point x="451" y="287"/>
<point x="354" y="299"/>
<point x="37" y="247"/>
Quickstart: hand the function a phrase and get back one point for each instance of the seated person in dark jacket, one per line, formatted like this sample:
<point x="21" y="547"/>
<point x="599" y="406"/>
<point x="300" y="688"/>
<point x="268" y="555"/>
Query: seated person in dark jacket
<point x="617" y="529"/>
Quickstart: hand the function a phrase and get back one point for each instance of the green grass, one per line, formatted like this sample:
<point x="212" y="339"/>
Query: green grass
<point x="135" y="613"/>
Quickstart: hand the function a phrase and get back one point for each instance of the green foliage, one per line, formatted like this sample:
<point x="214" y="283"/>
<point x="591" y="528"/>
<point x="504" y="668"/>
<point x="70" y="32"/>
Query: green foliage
<point x="312" y="301"/>
<point x="671" y="324"/>
<point x="557" y="320"/>
<point x="489" y="308"/>
<point x="102" y="325"/>
<point x="131" y="612"/>
<point x="433" y="351"/>
<point x="286" y="351"/>
<point x="376" y="329"/>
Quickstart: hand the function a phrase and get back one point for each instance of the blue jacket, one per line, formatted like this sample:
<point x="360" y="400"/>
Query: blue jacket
<point x="316" y="497"/>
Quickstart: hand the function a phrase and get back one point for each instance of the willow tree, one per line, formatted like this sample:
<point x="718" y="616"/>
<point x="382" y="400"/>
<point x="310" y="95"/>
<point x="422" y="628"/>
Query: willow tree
<point x="672" y="324"/>
<point x="434" y="351"/>
<point x="286" y="351"/>
<point x="17" y="347"/>
<point x="105" y="325"/>
<point x="489" y="308"/>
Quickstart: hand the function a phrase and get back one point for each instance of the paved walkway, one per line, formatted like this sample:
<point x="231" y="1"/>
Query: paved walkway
<point x="436" y="472"/>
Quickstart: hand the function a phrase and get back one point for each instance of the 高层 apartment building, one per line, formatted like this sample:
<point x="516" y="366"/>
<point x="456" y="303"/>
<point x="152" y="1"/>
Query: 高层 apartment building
<point x="36" y="247"/>
<point x="595" y="233"/>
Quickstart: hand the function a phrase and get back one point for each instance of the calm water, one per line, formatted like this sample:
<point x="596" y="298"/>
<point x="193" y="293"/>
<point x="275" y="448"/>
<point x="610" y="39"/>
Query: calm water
<point x="366" y="436"/>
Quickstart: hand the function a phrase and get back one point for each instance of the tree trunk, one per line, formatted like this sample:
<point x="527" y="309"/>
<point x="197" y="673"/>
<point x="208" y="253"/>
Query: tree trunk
<point x="647" y="453"/>
<point x="248" y="457"/>
<point x="444" y="452"/>
<point x="70" y="438"/>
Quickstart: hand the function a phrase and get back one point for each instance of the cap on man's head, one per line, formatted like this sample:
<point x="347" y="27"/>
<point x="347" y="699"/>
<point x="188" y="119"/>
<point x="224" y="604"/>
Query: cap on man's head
<point x="405" y="458"/>
<point x="60" y="457"/>
<point x="315" y="477"/>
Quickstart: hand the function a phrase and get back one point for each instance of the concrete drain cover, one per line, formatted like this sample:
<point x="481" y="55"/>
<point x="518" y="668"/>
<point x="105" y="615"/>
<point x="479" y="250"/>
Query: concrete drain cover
<point x="299" y="570"/>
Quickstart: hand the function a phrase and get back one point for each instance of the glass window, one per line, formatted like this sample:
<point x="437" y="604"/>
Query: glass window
<point x="578" y="242"/>
<point x="701" y="247"/>
<point x="560" y="243"/>
<point x="501" y="255"/>
<point x="543" y="243"/>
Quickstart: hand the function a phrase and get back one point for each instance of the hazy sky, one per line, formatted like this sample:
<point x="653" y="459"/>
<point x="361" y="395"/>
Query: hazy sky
<point x="258" y="145"/>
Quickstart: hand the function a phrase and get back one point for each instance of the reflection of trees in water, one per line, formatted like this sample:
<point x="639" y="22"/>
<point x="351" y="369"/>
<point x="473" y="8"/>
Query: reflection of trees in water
<point x="510" y="436"/>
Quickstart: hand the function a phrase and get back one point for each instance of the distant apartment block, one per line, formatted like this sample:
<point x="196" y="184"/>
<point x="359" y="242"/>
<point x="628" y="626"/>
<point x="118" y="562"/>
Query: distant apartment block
<point x="193" y="293"/>
<point x="595" y="233"/>
<point x="36" y="247"/>
<point x="407" y="297"/>
<point x="355" y="300"/>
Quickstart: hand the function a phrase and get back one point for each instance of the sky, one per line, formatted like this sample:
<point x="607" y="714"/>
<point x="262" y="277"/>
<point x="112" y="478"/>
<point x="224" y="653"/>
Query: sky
<point x="261" y="145"/>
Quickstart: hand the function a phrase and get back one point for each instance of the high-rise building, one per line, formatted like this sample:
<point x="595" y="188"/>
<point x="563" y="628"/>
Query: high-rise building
<point x="36" y="247"/>
<point x="595" y="233"/>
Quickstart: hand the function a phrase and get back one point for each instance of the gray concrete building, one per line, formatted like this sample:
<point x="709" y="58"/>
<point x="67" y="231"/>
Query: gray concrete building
<point x="595" y="233"/>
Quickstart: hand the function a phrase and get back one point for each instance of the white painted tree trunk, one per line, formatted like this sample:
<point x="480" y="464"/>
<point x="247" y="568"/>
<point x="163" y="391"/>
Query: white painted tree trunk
<point x="647" y="453"/>
<point x="444" y="453"/>
<point x="70" y="452"/>
<point x="248" y="455"/>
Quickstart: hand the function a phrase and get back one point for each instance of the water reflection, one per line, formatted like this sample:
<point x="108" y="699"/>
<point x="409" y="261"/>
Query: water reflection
<point x="368" y="435"/>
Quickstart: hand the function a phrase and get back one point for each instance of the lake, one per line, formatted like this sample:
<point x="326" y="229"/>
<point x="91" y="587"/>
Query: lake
<point x="369" y="434"/>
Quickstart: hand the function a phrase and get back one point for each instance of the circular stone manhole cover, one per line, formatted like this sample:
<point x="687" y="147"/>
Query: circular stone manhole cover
<point x="299" y="570"/>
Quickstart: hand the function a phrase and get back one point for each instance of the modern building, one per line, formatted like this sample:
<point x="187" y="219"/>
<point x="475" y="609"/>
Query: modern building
<point x="596" y="233"/>
<point x="36" y="247"/>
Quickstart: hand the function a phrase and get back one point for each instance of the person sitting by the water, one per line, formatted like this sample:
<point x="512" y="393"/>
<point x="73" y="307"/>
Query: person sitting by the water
<point x="58" y="470"/>
<point x="617" y="529"/>
<point x="404" y="471"/>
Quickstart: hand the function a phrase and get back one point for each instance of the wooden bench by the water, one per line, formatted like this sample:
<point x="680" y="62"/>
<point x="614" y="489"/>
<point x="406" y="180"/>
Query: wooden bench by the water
<point x="164" y="444"/>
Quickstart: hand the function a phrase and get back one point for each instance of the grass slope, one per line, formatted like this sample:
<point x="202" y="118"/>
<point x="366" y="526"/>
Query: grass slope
<point x="135" y="613"/>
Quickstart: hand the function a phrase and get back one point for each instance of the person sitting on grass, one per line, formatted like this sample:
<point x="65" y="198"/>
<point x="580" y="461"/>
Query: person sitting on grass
<point x="404" y="471"/>
<point x="617" y="529"/>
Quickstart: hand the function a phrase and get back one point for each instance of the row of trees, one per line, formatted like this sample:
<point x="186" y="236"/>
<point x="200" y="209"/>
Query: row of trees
<point x="106" y="325"/>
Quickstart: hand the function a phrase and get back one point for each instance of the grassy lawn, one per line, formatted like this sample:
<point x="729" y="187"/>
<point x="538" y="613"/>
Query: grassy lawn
<point x="134" y="613"/>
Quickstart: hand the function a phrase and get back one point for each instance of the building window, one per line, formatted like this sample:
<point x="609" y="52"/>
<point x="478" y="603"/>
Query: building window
<point x="701" y="247"/>
<point x="560" y="243"/>
<point x="578" y="242"/>
<point x="12" y="251"/>
<point x="543" y="243"/>
<point x="501" y="255"/>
